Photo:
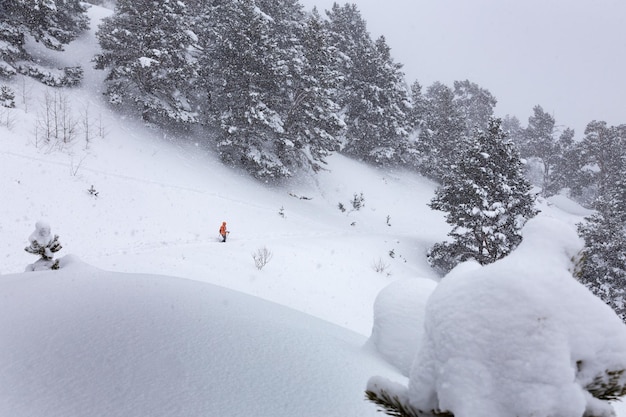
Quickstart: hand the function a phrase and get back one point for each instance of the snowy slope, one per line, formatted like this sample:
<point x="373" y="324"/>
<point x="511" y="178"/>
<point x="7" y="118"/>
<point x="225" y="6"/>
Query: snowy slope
<point x="84" y="342"/>
<point x="162" y="198"/>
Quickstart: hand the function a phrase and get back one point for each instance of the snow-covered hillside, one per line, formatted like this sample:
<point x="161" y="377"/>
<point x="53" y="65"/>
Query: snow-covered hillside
<point x="155" y="334"/>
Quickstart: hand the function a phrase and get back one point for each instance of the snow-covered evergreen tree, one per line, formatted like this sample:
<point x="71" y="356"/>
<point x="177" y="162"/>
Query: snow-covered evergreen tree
<point x="566" y="166"/>
<point x="375" y="98"/>
<point x="245" y="79"/>
<point x="602" y="150"/>
<point x="147" y="48"/>
<point x="44" y="244"/>
<point x="313" y="121"/>
<point x="514" y="131"/>
<point x="53" y="23"/>
<point x="475" y="103"/>
<point x="602" y="266"/>
<point x="442" y="134"/>
<point x="487" y="200"/>
<point x="418" y="106"/>
<point x="540" y="142"/>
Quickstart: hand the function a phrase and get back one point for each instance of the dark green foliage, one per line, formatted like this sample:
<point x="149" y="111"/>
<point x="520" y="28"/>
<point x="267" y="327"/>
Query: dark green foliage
<point x="53" y="23"/>
<point x="46" y="254"/>
<point x="475" y="103"/>
<point x="602" y="151"/>
<point x="565" y="165"/>
<point x="66" y="77"/>
<point x="271" y="81"/>
<point x="7" y="97"/>
<point x="45" y="251"/>
<point x="374" y="97"/>
<point x="602" y="265"/>
<point x="487" y="201"/>
<point x="514" y="131"/>
<point x="146" y="48"/>
<point x="393" y="406"/>
<point x="442" y="132"/>
<point x="244" y="80"/>
<point x="540" y="142"/>
<point x="609" y="386"/>
<point x="312" y="116"/>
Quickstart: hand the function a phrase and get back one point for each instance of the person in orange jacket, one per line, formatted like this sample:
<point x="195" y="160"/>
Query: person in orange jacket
<point x="223" y="231"/>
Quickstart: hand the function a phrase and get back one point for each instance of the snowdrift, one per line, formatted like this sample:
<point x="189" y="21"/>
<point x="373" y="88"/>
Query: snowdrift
<point x="84" y="342"/>
<point x="520" y="337"/>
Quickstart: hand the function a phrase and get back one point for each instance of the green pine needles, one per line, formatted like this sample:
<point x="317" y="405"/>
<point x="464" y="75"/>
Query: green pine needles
<point x="393" y="406"/>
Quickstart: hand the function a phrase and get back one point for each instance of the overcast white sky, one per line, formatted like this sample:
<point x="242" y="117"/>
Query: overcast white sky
<point x="569" y="56"/>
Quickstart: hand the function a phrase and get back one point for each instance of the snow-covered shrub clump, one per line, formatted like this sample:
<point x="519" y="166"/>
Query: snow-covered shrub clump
<point x="44" y="244"/>
<point x="515" y="339"/>
<point x="399" y="320"/>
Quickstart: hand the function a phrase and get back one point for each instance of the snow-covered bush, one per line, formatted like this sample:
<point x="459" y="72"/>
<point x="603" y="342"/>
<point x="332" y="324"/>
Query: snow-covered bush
<point x="44" y="244"/>
<point x="261" y="257"/>
<point x="515" y="339"/>
<point x="63" y="77"/>
<point x="379" y="266"/>
<point x="7" y="97"/>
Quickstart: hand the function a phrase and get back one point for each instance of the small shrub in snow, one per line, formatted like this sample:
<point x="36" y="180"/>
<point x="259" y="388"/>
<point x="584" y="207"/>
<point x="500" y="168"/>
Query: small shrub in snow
<point x="44" y="244"/>
<point x="55" y="124"/>
<point x="261" y="257"/>
<point x="92" y="191"/>
<point x="358" y="202"/>
<point x="380" y="266"/>
<point x="7" y="97"/>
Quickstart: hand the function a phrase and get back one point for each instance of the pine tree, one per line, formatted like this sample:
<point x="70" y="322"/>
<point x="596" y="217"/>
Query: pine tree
<point x="419" y="106"/>
<point x="146" y="47"/>
<point x="375" y="99"/>
<point x="53" y="23"/>
<point x="244" y="80"/>
<point x="44" y="244"/>
<point x="487" y="201"/>
<point x="475" y="103"/>
<point x="514" y="131"/>
<point x="602" y="150"/>
<point x="566" y="163"/>
<point x="313" y="122"/>
<point x="602" y="266"/>
<point x="541" y="143"/>
<point x="442" y="134"/>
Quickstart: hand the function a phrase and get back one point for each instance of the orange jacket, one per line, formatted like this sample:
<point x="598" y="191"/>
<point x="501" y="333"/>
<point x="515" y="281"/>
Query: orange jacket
<point x="223" y="229"/>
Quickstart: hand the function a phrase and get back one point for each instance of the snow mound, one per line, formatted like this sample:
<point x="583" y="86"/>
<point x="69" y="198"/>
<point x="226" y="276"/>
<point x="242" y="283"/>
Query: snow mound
<point x="569" y="206"/>
<point x="399" y="321"/>
<point x="83" y="342"/>
<point x="516" y="338"/>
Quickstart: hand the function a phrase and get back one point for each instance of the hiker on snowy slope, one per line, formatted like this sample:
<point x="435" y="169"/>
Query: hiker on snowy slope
<point x="223" y="231"/>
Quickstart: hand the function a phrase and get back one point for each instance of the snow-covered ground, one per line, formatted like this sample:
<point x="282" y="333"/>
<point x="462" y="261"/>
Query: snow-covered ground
<point x="161" y="333"/>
